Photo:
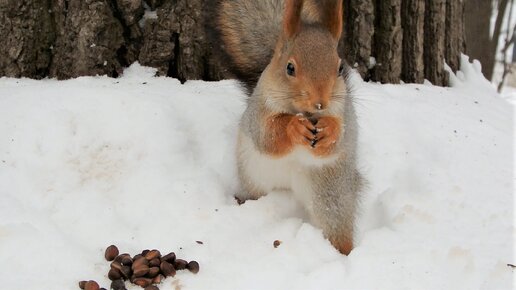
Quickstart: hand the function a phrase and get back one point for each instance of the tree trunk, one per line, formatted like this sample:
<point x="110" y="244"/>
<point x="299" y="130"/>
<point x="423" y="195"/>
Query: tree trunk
<point x="514" y="52"/>
<point x="434" y="52"/>
<point x="359" y="37"/>
<point x="27" y="33"/>
<point x="413" y="15"/>
<point x="502" y="7"/>
<point x="455" y="32"/>
<point x="177" y="38"/>
<point x="388" y="41"/>
<point x="88" y="39"/>
<point x="478" y="23"/>
<point x="384" y="39"/>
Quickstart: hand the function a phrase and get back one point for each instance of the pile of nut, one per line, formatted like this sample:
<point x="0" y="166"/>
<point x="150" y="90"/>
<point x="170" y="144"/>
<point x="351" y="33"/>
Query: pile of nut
<point x="145" y="269"/>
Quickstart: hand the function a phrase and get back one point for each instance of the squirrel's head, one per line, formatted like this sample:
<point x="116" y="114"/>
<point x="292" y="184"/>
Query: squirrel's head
<point x="306" y="57"/>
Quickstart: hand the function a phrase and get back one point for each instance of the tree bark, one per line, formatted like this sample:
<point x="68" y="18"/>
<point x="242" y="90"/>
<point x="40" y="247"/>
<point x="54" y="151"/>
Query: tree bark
<point x="27" y="33"/>
<point x="413" y="16"/>
<point x="434" y="52"/>
<point x="502" y="7"/>
<point x="388" y="41"/>
<point x="88" y="39"/>
<point x="478" y="35"/>
<point x="359" y="37"/>
<point x="383" y="39"/>
<point x="455" y="31"/>
<point x="159" y="45"/>
<point x="176" y="44"/>
<point x="514" y="52"/>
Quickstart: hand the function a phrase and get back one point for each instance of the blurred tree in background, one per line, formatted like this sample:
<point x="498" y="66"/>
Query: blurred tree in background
<point x="486" y="23"/>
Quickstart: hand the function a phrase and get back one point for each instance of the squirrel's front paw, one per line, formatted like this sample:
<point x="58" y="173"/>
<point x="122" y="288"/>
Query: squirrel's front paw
<point x="301" y="131"/>
<point x="328" y="130"/>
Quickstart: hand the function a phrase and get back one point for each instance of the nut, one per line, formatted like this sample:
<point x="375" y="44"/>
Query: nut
<point x="120" y="258"/>
<point x="167" y="269"/>
<point x="155" y="262"/>
<point x="158" y="279"/>
<point x="142" y="282"/>
<point x="193" y="266"/>
<point x="152" y="255"/>
<point x="171" y="257"/>
<point x="111" y="253"/>
<point x="114" y="274"/>
<point x="126" y="272"/>
<point x="140" y="271"/>
<point x="276" y="243"/>
<point x="118" y="285"/>
<point x="91" y="285"/>
<point x="82" y="284"/>
<point x="144" y="269"/>
<point x="180" y="264"/>
<point x="153" y="272"/>
<point x="126" y="260"/>
<point x="139" y="262"/>
<point x="117" y="266"/>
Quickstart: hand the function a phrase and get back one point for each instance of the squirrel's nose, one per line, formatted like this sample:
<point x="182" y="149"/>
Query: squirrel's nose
<point x="320" y="105"/>
<point x="315" y="108"/>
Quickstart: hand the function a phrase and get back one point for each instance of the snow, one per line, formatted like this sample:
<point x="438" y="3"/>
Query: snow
<point x="144" y="162"/>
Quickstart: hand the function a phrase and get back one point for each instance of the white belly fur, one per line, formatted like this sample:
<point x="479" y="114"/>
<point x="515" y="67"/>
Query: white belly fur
<point x="290" y="172"/>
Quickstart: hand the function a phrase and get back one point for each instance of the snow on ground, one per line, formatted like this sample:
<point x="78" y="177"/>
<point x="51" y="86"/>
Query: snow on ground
<point x="145" y="162"/>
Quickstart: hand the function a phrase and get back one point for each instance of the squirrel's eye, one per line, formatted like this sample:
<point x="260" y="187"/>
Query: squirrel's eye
<point x="341" y="69"/>
<point x="291" y="69"/>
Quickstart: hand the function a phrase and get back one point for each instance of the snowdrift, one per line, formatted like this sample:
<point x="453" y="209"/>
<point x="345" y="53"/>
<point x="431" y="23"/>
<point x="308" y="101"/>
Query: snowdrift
<point x="145" y="162"/>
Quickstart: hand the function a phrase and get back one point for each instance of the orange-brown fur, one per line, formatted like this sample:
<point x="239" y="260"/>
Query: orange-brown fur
<point x="311" y="11"/>
<point x="292" y="20"/>
<point x="330" y="19"/>
<point x="277" y="143"/>
<point x="342" y="243"/>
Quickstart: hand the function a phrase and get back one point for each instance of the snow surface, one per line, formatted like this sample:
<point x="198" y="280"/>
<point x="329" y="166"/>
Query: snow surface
<point x="145" y="162"/>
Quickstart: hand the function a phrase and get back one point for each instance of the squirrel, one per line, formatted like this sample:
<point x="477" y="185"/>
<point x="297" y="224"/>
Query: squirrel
<point x="299" y="131"/>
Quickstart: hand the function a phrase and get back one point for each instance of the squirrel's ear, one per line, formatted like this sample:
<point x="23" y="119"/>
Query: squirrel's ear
<point x="332" y="17"/>
<point x="292" y="17"/>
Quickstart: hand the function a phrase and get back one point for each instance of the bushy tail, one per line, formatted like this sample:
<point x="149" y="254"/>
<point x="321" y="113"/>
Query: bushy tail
<point x="243" y="33"/>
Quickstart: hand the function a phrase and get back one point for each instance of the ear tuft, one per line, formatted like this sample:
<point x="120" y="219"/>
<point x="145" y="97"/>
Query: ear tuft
<point x="292" y="17"/>
<point x="332" y="17"/>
